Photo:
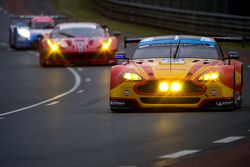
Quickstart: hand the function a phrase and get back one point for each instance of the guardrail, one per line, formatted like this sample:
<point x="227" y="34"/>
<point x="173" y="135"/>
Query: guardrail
<point x="181" y="21"/>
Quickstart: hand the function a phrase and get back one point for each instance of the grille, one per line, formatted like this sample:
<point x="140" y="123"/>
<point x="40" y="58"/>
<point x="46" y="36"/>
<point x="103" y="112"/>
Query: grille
<point x="164" y="100"/>
<point x="152" y="87"/>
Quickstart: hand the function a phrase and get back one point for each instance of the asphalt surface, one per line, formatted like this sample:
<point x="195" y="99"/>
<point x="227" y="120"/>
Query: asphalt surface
<point x="60" y="117"/>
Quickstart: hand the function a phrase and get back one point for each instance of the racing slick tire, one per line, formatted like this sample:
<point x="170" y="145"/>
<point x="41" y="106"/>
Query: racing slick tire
<point x="237" y="97"/>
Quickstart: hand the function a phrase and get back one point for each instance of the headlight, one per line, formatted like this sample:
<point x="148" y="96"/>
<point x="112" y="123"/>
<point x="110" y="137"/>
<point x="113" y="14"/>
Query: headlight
<point x="214" y="76"/>
<point x="53" y="46"/>
<point x="163" y="87"/>
<point x="106" y="45"/>
<point x="176" y="86"/>
<point x="24" y="32"/>
<point x="170" y="86"/>
<point x="131" y="76"/>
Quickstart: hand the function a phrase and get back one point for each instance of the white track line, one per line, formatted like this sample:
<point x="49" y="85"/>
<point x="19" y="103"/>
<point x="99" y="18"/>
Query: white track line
<point x="74" y="88"/>
<point x="79" y="69"/>
<point x="50" y="104"/>
<point x="88" y="79"/>
<point x="3" y="44"/>
<point x="229" y="139"/>
<point x="80" y="91"/>
<point x="178" y="154"/>
<point x="2" y="118"/>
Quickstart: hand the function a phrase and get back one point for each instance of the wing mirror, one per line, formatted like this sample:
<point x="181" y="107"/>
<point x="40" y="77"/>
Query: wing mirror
<point x="40" y="36"/>
<point x="117" y="34"/>
<point x="233" y="55"/>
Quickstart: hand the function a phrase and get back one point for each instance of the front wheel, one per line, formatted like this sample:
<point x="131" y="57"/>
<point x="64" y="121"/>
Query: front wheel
<point x="237" y="101"/>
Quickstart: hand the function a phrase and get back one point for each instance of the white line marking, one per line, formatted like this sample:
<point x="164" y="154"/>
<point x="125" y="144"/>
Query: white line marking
<point x="179" y="154"/>
<point x="1" y="117"/>
<point x="55" y="102"/>
<point x="79" y="69"/>
<point x="229" y="139"/>
<point x="88" y="79"/>
<point x="74" y="88"/>
<point x="80" y="91"/>
<point x="3" y="44"/>
<point x="5" y="12"/>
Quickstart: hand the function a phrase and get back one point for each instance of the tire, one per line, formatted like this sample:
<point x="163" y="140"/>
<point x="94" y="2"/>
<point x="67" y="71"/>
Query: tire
<point x="237" y="97"/>
<point x="42" y="61"/>
<point x="10" y="39"/>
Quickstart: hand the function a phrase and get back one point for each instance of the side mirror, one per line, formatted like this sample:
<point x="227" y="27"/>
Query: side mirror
<point x="233" y="55"/>
<point x="117" y="34"/>
<point x="120" y="55"/>
<point x="40" y="36"/>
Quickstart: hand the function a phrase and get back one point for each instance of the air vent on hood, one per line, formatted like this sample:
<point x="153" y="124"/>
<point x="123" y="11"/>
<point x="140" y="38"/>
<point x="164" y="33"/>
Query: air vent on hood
<point x="139" y="62"/>
<point x="195" y="61"/>
<point x="206" y="61"/>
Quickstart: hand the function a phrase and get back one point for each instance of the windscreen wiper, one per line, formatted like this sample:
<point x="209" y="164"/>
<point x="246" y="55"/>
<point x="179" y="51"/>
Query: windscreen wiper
<point x="66" y="34"/>
<point x="177" y="49"/>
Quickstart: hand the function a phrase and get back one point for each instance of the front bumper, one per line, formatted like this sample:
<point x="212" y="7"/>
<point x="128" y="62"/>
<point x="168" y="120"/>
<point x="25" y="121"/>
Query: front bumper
<point x="214" y="95"/>
<point x="79" y="59"/>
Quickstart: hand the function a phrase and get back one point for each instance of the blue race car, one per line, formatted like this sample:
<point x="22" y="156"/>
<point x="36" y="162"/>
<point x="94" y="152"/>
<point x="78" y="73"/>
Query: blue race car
<point x="27" y="29"/>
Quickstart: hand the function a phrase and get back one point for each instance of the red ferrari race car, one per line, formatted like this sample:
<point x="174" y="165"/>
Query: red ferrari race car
<point x="78" y="44"/>
<point x="177" y="72"/>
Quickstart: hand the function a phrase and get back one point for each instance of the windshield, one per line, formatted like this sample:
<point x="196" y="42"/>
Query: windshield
<point x="78" y="32"/>
<point x="42" y="25"/>
<point x="184" y="51"/>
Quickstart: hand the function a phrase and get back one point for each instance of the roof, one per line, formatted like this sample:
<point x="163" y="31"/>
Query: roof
<point x="42" y="19"/>
<point x="79" y="25"/>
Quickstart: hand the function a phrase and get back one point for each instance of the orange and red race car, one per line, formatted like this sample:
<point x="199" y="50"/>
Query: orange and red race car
<point x="78" y="43"/>
<point x="176" y="72"/>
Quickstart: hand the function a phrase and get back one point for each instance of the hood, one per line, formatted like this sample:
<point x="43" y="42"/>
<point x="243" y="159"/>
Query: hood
<point x="40" y="31"/>
<point x="79" y="43"/>
<point x="179" y="68"/>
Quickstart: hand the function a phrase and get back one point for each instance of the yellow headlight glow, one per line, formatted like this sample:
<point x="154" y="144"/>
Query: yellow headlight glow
<point x="210" y="77"/>
<point x="175" y="86"/>
<point x="106" y="45"/>
<point x="53" y="46"/>
<point x="163" y="87"/>
<point x="131" y="76"/>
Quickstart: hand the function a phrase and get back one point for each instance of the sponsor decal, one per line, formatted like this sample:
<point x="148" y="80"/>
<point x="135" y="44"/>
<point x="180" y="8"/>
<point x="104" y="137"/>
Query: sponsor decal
<point x="127" y="93"/>
<point x="80" y="45"/>
<point x="117" y="103"/>
<point x="213" y="92"/>
<point x="224" y="103"/>
<point x="173" y="61"/>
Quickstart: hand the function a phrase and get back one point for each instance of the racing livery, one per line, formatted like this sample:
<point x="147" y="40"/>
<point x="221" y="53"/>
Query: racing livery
<point x="78" y="43"/>
<point x="25" y="31"/>
<point x="176" y="72"/>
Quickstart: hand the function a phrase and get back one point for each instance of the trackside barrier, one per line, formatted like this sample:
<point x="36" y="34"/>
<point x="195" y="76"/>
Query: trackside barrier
<point x="182" y="21"/>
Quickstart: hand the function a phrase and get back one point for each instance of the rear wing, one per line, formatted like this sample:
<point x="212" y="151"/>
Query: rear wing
<point x="230" y="39"/>
<point x="131" y="40"/>
<point x="26" y="18"/>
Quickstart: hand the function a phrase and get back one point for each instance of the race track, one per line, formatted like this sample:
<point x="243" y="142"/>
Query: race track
<point x="60" y="117"/>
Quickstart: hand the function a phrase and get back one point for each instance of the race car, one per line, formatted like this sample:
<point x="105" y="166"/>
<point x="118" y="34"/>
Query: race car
<point x="176" y="71"/>
<point x="25" y="29"/>
<point x="81" y="43"/>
